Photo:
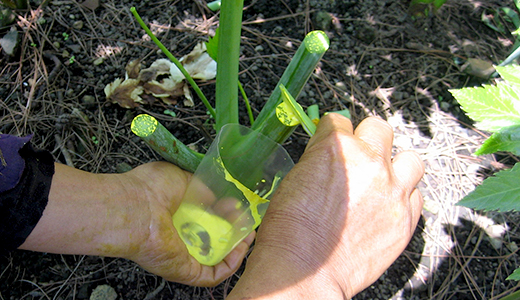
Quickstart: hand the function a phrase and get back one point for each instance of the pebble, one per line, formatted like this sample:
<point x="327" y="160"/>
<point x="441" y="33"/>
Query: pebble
<point x="103" y="292"/>
<point x="98" y="61"/>
<point x="88" y="99"/>
<point x="78" y="25"/>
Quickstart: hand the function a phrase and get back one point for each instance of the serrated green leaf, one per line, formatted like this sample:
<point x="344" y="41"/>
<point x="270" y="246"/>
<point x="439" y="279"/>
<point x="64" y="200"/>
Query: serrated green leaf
<point x="501" y="192"/>
<point x="212" y="46"/>
<point x="492" y="106"/>
<point x="510" y="73"/>
<point x="515" y="275"/>
<point x="506" y="139"/>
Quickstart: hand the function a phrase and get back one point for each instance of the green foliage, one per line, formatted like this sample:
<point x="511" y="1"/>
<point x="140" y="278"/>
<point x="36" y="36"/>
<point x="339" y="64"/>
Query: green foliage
<point x="493" y="19"/>
<point x="506" y="139"/>
<point x="493" y="106"/>
<point x="514" y="276"/>
<point x="212" y="46"/>
<point x="16" y="4"/>
<point x="501" y="192"/>
<point x="496" y="108"/>
<point x="421" y="8"/>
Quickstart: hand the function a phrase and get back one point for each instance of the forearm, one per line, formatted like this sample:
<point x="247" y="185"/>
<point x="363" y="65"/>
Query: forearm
<point x="88" y="214"/>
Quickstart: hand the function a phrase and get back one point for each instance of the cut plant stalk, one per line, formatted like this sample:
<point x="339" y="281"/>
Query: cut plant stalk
<point x="303" y="64"/>
<point x="164" y="143"/>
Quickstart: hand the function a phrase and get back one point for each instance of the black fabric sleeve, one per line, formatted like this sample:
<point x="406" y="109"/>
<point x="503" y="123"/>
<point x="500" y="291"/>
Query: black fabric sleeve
<point x="22" y="206"/>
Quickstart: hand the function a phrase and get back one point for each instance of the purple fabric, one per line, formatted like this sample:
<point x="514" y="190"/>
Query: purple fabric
<point x="11" y="163"/>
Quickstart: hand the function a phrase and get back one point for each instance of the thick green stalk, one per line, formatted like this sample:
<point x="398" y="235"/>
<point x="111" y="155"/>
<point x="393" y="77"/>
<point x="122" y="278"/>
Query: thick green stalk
<point x="164" y="143"/>
<point x="294" y="78"/>
<point x="175" y="61"/>
<point x="226" y="96"/>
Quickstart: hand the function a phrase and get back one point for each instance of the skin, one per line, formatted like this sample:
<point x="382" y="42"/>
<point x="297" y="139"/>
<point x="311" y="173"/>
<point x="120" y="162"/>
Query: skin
<point x="338" y="220"/>
<point x="126" y="215"/>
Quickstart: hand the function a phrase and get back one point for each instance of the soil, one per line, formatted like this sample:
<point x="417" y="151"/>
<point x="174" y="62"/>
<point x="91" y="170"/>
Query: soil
<point x="383" y="61"/>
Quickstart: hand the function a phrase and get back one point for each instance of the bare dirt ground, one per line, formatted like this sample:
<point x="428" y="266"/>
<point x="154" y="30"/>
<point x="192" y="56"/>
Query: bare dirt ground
<point x="381" y="62"/>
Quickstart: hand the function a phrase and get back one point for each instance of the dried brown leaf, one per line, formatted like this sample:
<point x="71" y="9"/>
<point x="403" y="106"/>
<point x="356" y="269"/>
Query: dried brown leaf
<point x="133" y="69"/>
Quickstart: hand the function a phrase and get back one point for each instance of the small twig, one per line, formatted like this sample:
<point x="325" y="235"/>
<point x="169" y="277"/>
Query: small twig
<point x="151" y="295"/>
<point x="64" y="150"/>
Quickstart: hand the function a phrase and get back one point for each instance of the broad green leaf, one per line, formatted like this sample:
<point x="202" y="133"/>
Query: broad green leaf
<point x="506" y="139"/>
<point x="510" y="73"/>
<point x="515" y="275"/>
<point x="501" y="192"/>
<point x="492" y="106"/>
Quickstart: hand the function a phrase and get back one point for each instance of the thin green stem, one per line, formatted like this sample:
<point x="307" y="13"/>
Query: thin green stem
<point x="175" y="61"/>
<point x="226" y="96"/>
<point x="248" y="105"/>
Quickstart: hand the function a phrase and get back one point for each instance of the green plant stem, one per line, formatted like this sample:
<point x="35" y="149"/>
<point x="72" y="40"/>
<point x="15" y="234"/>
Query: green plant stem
<point x="294" y="78"/>
<point x="248" y="106"/>
<point x="175" y="61"/>
<point x="226" y="96"/>
<point x="314" y="112"/>
<point x="164" y="143"/>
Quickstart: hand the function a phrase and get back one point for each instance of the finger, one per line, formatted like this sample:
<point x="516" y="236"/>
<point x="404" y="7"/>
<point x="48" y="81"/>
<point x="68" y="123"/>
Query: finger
<point x="328" y="124"/>
<point x="377" y="134"/>
<point x="233" y="260"/>
<point x="408" y="169"/>
<point x="416" y="203"/>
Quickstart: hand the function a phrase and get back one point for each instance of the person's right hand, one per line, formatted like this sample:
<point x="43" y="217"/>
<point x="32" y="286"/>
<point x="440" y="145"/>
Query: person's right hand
<point x="339" y="219"/>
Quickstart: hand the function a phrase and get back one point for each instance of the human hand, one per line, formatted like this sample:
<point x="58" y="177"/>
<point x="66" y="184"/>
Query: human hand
<point x="161" y="250"/>
<point x="339" y="219"/>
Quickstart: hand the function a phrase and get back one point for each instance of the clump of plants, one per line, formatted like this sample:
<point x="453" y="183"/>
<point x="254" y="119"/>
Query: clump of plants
<point x="496" y="108"/>
<point x="500" y="20"/>
<point x="277" y="119"/>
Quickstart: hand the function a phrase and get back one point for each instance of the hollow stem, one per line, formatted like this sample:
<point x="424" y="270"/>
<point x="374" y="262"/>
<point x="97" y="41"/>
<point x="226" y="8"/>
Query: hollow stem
<point x="294" y="78"/>
<point x="164" y="143"/>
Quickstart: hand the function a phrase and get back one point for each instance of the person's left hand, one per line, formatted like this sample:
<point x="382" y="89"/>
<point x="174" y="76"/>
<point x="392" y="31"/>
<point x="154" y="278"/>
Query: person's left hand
<point x="160" y="250"/>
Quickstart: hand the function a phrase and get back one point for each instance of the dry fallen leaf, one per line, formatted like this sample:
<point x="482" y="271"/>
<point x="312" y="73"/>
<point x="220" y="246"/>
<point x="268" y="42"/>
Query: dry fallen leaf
<point x="126" y="93"/>
<point x="133" y="69"/>
<point x="162" y="80"/>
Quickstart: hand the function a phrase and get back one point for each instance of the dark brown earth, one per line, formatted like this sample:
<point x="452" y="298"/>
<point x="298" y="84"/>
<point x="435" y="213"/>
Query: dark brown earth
<point x="382" y="61"/>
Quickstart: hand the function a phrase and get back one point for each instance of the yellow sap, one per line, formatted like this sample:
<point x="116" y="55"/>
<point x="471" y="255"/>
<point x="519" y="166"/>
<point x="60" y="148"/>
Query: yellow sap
<point x="207" y="236"/>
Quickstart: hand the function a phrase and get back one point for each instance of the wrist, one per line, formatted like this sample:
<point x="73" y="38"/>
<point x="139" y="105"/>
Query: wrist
<point x="271" y="275"/>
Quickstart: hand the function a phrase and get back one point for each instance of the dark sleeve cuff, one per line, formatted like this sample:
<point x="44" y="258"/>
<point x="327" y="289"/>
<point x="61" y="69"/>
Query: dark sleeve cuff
<point x="21" y="207"/>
